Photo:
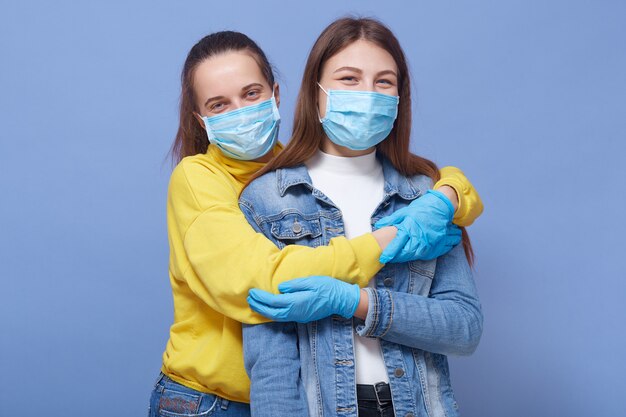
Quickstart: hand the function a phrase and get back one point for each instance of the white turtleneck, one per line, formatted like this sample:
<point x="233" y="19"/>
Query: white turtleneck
<point x="356" y="186"/>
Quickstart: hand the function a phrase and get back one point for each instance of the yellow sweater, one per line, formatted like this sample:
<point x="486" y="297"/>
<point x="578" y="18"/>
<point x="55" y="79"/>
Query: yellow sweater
<point x="216" y="257"/>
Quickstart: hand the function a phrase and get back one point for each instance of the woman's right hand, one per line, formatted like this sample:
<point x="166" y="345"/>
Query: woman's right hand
<point x="425" y="230"/>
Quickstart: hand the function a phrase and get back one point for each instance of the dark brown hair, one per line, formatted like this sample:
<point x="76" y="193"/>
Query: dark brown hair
<point x="308" y="134"/>
<point x="191" y="138"/>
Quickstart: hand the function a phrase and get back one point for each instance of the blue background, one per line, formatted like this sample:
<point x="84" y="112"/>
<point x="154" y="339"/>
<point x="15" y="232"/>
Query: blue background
<point x="528" y="97"/>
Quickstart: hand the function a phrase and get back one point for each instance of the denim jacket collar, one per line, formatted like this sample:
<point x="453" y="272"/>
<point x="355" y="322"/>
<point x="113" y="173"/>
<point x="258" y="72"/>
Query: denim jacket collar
<point x="395" y="183"/>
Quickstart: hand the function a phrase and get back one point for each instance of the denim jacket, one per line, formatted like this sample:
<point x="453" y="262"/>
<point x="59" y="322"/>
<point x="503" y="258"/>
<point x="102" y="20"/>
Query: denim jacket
<point x="421" y="311"/>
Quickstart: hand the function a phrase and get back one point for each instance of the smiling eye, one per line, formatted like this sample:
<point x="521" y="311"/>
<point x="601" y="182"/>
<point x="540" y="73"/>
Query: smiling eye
<point x="348" y="78"/>
<point x="385" y="82"/>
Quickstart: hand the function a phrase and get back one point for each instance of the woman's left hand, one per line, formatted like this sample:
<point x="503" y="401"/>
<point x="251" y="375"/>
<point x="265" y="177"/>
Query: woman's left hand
<point x="306" y="299"/>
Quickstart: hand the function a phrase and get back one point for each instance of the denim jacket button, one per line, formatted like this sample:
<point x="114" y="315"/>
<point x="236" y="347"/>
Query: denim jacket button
<point x="410" y="415"/>
<point x="296" y="228"/>
<point x="399" y="372"/>
<point x="388" y="282"/>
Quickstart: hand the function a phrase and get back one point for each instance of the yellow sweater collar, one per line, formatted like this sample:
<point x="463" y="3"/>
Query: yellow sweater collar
<point x="241" y="170"/>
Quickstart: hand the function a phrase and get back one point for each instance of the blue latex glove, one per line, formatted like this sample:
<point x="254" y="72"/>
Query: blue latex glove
<point x="425" y="229"/>
<point x="307" y="299"/>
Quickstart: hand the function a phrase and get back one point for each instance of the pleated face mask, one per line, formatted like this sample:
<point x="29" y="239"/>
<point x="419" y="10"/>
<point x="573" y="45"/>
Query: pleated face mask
<point x="358" y="119"/>
<point x="247" y="133"/>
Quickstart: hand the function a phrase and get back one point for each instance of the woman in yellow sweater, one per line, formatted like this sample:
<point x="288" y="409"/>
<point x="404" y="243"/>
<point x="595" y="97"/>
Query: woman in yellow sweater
<point x="228" y="131"/>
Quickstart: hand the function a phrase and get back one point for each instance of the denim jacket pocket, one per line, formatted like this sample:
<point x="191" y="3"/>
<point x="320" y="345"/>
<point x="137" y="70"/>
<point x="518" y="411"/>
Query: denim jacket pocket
<point x="296" y="228"/>
<point x="421" y="274"/>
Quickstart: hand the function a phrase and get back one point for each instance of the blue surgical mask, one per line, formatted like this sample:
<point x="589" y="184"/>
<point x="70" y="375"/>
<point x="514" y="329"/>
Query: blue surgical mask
<point x="358" y="119"/>
<point x="246" y="133"/>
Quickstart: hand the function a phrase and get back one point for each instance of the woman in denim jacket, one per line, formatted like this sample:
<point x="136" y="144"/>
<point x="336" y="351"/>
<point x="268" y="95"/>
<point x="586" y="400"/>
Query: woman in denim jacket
<point x="380" y="350"/>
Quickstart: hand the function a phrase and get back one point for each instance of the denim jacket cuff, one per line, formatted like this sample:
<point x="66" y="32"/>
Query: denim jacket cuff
<point x="379" y="314"/>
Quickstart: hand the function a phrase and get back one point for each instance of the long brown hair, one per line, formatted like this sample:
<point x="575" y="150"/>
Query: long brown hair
<point x="191" y="138"/>
<point x="308" y="134"/>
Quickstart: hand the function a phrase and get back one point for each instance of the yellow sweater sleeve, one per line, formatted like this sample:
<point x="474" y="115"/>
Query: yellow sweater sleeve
<point x="220" y="256"/>
<point x="470" y="204"/>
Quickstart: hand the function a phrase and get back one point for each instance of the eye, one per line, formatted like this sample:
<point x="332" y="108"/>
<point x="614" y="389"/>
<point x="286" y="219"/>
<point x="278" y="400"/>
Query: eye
<point x="385" y="82"/>
<point x="349" y="79"/>
<point x="217" y="107"/>
<point x="252" y="94"/>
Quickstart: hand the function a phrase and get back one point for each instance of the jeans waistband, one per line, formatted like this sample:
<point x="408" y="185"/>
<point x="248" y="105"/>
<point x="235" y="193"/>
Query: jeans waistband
<point x="379" y="392"/>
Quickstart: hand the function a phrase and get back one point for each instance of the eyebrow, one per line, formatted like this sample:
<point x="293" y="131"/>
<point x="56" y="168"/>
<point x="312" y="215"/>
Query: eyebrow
<point x="354" y="69"/>
<point x="348" y="69"/>
<point x="213" y="99"/>
<point x="247" y="87"/>
<point x="385" y="72"/>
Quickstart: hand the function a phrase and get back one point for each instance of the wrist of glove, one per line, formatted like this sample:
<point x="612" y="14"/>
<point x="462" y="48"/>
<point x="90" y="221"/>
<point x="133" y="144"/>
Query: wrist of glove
<point x="449" y="208"/>
<point x="307" y="299"/>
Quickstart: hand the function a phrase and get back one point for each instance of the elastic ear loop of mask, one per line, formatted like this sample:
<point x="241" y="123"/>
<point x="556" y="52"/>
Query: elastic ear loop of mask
<point x="318" y="109"/>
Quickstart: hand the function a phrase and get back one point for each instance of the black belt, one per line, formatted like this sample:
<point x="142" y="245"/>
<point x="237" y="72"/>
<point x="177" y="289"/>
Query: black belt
<point x="380" y="392"/>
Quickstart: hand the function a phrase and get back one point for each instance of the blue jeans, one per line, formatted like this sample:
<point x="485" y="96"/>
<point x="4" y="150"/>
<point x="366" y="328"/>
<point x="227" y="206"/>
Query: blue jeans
<point x="171" y="399"/>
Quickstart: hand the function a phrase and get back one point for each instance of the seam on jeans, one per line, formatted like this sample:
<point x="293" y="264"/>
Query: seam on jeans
<point x="158" y="380"/>
<point x="224" y="403"/>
